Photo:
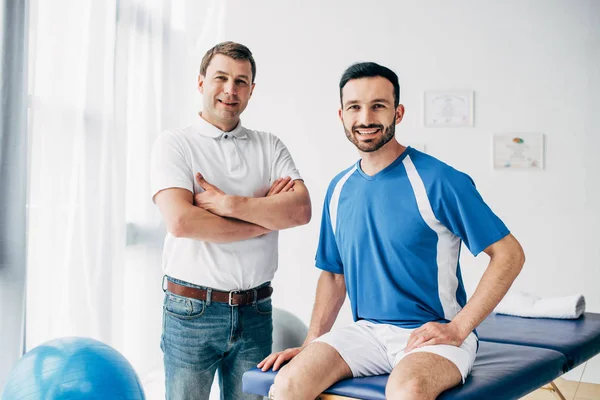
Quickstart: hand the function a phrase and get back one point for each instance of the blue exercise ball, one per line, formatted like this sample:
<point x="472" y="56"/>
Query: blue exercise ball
<point x="288" y="330"/>
<point x="73" y="368"/>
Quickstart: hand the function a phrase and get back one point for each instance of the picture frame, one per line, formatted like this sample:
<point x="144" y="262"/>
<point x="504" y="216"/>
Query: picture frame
<point x="518" y="151"/>
<point x="448" y="108"/>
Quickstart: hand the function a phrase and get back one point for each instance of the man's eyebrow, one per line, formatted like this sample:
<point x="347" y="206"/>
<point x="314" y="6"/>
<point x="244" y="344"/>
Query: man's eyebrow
<point x="381" y="101"/>
<point x="225" y="73"/>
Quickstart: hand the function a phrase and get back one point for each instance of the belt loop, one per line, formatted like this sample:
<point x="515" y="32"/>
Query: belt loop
<point x="162" y="283"/>
<point x="208" y="296"/>
<point x="255" y="298"/>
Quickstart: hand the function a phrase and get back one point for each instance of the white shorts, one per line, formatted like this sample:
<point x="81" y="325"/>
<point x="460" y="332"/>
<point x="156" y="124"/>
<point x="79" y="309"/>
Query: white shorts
<point x="375" y="349"/>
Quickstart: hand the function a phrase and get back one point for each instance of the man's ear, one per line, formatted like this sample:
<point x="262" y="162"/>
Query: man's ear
<point x="201" y="84"/>
<point x="399" y="113"/>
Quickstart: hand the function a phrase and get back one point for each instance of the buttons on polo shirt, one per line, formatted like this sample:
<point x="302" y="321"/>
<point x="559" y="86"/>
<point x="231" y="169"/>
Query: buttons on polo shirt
<point x="233" y="157"/>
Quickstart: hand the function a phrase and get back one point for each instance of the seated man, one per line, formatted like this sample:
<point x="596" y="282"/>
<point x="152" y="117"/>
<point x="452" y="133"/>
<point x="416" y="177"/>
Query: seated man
<point x="391" y="233"/>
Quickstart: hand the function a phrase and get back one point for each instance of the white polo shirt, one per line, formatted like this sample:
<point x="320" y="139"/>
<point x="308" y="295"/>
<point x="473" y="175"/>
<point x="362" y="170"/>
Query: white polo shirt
<point x="242" y="162"/>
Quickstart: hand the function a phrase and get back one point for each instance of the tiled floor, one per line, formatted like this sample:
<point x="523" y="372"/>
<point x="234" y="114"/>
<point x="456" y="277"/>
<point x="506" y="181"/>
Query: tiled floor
<point x="569" y="389"/>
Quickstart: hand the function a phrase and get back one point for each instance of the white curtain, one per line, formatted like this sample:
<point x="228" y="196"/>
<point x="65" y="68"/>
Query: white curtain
<point x="106" y="76"/>
<point x="13" y="175"/>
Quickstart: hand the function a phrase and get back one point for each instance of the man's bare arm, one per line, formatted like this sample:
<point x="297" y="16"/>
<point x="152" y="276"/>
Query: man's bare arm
<point x="506" y="261"/>
<point x="331" y="293"/>
<point x="285" y="210"/>
<point x="184" y="220"/>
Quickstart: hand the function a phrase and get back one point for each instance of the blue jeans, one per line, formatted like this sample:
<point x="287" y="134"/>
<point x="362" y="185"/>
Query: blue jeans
<point x="202" y="337"/>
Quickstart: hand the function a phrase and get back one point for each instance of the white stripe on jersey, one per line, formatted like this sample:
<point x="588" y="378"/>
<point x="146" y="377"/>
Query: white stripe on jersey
<point x="335" y="198"/>
<point x="448" y="244"/>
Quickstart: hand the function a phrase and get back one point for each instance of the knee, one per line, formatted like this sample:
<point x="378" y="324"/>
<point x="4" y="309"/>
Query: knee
<point x="285" y="387"/>
<point x="410" y="389"/>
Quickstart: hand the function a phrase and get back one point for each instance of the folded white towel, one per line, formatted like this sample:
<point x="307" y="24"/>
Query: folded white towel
<point x="523" y="304"/>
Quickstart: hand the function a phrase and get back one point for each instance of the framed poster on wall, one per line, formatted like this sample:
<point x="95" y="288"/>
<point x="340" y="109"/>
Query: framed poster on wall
<point x="446" y="109"/>
<point x="518" y="151"/>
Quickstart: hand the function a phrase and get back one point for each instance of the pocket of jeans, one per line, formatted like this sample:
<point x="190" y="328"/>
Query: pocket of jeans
<point x="183" y="307"/>
<point x="264" y="306"/>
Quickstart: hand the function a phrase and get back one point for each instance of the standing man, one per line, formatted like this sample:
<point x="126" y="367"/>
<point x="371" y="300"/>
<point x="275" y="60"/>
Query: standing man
<point x="391" y="232"/>
<point x="223" y="191"/>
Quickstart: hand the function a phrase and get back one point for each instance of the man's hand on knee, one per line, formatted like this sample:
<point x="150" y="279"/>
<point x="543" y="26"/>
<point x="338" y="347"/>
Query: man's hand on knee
<point x="433" y="333"/>
<point x="276" y="360"/>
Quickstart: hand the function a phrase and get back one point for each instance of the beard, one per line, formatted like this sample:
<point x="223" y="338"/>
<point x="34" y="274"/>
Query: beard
<point x="371" y="145"/>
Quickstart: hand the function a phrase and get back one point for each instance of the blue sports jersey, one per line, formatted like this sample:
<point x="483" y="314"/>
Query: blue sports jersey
<point x="396" y="237"/>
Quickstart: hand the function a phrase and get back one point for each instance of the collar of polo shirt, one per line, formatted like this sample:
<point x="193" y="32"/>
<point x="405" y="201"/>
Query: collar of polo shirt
<point x="209" y="130"/>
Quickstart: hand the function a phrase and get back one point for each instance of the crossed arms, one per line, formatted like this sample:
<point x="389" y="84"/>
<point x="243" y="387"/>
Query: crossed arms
<point x="216" y="217"/>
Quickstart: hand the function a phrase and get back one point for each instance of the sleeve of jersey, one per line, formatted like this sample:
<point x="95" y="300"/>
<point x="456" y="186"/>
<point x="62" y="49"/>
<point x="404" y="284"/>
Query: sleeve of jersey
<point x="328" y="256"/>
<point x="459" y="206"/>
<point x="168" y="167"/>
<point x="283" y="163"/>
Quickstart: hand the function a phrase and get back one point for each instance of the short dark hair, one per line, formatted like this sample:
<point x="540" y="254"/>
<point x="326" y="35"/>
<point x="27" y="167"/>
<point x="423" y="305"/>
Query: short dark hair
<point x="370" y="70"/>
<point x="234" y="50"/>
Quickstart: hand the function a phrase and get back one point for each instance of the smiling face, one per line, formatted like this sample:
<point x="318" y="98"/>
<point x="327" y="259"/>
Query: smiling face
<point x="226" y="88"/>
<point x="368" y="113"/>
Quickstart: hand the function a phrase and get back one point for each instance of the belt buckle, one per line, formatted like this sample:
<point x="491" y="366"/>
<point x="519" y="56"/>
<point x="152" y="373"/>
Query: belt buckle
<point x="231" y="298"/>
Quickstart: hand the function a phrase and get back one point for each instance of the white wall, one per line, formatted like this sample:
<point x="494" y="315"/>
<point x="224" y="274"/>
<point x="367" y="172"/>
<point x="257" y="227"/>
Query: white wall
<point x="534" y="67"/>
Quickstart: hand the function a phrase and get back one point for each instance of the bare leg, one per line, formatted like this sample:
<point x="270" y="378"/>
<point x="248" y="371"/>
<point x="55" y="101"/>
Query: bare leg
<point x="313" y="370"/>
<point x="421" y="376"/>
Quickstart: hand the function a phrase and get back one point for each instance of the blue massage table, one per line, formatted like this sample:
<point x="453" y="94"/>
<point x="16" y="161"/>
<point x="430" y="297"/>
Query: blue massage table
<point x="578" y="340"/>
<point x="516" y="356"/>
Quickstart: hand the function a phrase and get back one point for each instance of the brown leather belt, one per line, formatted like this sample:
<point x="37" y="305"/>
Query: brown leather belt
<point x="233" y="298"/>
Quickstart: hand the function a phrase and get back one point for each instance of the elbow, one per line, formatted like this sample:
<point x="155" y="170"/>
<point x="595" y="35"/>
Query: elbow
<point x="305" y="214"/>
<point x="300" y="216"/>
<point x="517" y="260"/>
<point x="177" y="227"/>
<point x="514" y="256"/>
<point x="519" y="255"/>
<point x="520" y="259"/>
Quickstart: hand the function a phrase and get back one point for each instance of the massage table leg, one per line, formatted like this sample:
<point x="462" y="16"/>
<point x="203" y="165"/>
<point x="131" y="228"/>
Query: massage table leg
<point x="554" y="389"/>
